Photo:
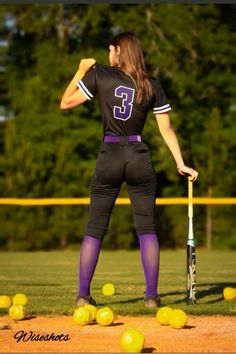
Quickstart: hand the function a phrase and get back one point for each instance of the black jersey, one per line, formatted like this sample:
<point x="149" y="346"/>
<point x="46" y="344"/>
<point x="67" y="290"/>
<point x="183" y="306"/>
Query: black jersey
<point x="116" y="92"/>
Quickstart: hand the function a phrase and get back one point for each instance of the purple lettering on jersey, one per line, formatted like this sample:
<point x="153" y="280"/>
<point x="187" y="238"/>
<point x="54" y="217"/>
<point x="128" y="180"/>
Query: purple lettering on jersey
<point x="124" y="111"/>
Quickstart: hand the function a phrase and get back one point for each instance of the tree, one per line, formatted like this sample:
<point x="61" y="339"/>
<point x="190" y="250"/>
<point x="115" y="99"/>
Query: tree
<point x="50" y="153"/>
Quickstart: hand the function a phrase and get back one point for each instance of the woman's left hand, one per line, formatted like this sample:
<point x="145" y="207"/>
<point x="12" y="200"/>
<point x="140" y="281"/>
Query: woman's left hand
<point x="188" y="171"/>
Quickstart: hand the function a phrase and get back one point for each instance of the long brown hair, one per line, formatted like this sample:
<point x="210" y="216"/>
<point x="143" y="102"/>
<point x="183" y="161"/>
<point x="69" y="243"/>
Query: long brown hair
<point x="131" y="61"/>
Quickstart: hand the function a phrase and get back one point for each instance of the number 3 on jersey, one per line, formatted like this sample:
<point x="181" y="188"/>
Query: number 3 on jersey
<point x="124" y="111"/>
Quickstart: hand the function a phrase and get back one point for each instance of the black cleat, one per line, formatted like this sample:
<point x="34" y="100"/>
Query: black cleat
<point x="82" y="300"/>
<point x="152" y="301"/>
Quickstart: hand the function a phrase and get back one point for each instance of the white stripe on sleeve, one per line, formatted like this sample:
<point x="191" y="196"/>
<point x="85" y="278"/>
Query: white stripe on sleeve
<point x="84" y="89"/>
<point x="162" y="109"/>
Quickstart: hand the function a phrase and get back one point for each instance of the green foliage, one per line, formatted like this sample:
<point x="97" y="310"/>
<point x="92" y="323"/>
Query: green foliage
<point x="45" y="152"/>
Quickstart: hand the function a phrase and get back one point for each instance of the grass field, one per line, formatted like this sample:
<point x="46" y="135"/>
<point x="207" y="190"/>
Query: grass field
<point x="49" y="279"/>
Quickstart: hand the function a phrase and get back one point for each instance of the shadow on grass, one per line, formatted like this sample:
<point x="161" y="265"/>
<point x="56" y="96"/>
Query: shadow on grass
<point x="203" y="291"/>
<point x="211" y="289"/>
<point x="128" y="301"/>
<point x="40" y="284"/>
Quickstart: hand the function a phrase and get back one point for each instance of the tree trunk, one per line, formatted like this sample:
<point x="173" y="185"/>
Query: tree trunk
<point x="209" y="222"/>
<point x="61" y="28"/>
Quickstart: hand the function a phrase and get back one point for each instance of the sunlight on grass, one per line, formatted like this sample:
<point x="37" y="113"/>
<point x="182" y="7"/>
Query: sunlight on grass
<point x="49" y="279"/>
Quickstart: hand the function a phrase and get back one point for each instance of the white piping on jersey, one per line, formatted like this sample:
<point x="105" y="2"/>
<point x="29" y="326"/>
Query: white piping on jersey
<point x="162" y="109"/>
<point x="84" y="89"/>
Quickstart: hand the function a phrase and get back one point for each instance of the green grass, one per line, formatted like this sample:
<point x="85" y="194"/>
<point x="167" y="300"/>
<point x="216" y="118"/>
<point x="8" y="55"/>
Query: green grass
<point x="49" y="279"/>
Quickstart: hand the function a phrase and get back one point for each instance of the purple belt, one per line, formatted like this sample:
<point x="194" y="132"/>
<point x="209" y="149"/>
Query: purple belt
<point x="121" y="138"/>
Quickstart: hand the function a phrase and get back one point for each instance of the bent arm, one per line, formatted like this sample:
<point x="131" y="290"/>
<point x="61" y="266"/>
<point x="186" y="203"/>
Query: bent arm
<point x="171" y="140"/>
<point x="72" y="96"/>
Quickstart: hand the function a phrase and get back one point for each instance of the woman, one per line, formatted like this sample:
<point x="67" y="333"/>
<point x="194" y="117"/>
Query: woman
<point x="125" y="94"/>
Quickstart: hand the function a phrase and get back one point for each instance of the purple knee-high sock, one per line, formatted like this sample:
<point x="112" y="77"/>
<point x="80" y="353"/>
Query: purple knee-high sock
<point x="89" y="253"/>
<point x="149" y="249"/>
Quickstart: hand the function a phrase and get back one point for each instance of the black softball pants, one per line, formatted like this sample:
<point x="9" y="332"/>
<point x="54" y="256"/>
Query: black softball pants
<point x="118" y="163"/>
